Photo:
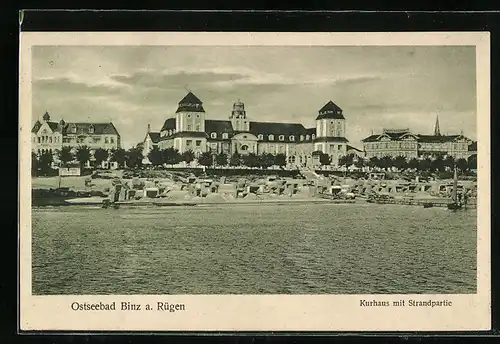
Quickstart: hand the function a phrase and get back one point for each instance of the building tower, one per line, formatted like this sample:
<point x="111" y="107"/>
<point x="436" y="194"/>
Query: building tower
<point x="436" y="127"/>
<point x="46" y="117"/>
<point x="238" y="117"/>
<point x="190" y="115"/>
<point x="330" y="132"/>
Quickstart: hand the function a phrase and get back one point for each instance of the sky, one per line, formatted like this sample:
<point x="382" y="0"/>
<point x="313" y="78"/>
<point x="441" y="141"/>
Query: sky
<point x="377" y="87"/>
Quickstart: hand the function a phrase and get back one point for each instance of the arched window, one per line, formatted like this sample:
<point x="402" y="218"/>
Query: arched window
<point x="301" y="137"/>
<point x="260" y="137"/>
<point x="292" y="138"/>
<point x="91" y="129"/>
<point x="213" y="135"/>
<point x="307" y="137"/>
<point x="244" y="148"/>
<point x="282" y="137"/>
<point x="271" y="137"/>
<point x="225" y="136"/>
<point x="313" y="136"/>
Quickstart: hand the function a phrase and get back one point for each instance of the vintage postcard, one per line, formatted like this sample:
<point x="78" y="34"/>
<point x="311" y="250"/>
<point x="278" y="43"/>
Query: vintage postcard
<point x="254" y="181"/>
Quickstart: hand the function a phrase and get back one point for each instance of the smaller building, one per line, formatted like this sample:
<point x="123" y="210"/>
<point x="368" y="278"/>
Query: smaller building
<point x="70" y="169"/>
<point x="150" y="141"/>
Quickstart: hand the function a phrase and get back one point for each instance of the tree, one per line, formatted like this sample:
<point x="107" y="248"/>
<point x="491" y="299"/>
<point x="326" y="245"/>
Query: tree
<point x="400" y="162"/>
<point x="134" y="157"/>
<point x="472" y="162"/>
<point x="413" y="163"/>
<point x="235" y="159"/>
<point x="119" y="155"/>
<point x="155" y="156"/>
<point x="206" y="159"/>
<point x="188" y="156"/>
<point x="449" y="162"/>
<point x="425" y="164"/>
<point x="266" y="160"/>
<point x="171" y="156"/>
<point x="82" y="155"/>
<point x="438" y="164"/>
<point x="360" y="163"/>
<point x="45" y="161"/>
<point x="374" y="161"/>
<point x="221" y="159"/>
<point x="251" y="160"/>
<point x="462" y="164"/>
<point x="34" y="163"/>
<point x="100" y="155"/>
<point x="280" y="159"/>
<point x="65" y="155"/>
<point x="386" y="162"/>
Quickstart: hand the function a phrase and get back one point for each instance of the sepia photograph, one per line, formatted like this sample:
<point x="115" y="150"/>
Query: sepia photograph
<point x="253" y="169"/>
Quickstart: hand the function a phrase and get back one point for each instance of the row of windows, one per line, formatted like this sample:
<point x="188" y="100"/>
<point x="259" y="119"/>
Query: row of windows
<point x="270" y="137"/>
<point x="406" y="145"/>
<point x="47" y="139"/>
<point x="189" y="143"/>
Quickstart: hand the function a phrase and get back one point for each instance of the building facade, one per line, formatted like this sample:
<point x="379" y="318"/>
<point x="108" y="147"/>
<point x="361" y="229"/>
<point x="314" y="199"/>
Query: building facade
<point x="401" y="142"/>
<point x="49" y="136"/>
<point x="190" y="129"/>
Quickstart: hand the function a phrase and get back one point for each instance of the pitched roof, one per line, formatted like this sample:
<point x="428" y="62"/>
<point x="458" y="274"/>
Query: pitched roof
<point x="277" y="129"/>
<point x="219" y="127"/>
<point x="351" y="147"/>
<point x="396" y="136"/>
<point x="331" y="139"/>
<point x="155" y="137"/>
<point x="169" y="124"/>
<point x="473" y="147"/>
<point x="190" y="98"/>
<point x="84" y="128"/>
<point x="190" y="103"/>
<point x="371" y="138"/>
<point x="330" y="111"/>
<point x="437" y="138"/>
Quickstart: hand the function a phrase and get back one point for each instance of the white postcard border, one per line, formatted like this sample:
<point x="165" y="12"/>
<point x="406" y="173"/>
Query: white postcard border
<point x="260" y="312"/>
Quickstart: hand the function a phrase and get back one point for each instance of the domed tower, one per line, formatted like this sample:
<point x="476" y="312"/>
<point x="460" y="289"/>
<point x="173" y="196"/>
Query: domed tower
<point x="239" y="117"/>
<point x="330" y="132"/>
<point x="190" y="115"/>
<point x="46" y="117"/>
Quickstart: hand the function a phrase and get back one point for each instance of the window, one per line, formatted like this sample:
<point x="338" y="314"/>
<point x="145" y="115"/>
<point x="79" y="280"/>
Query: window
<point x="198" y="143"/>
<point x="106" y="140"/>
<point x="91" y="129"/>
<point x="282" y="137"/>
<point x="197" y="116"/>
<point x="189" y="142"/>
<point x="73" y="129"/>
<point x="244" y="147"/>
<point x="307" y="137"/>
<point x="50" y="139"/>
<point x="244" y="136"/>
<point x="39" y="139"/>
<point x="224" y="135"/>
<point x="213" y="135"/>
<point x="112" y="140"/>
<point x="271" y="137"/>
<point x="188" y="116"/>
<point x="313" y="136"/>
<point x="292" y="138"/>
<point x="197" y="127"/>
<point x="190" y="127"/>
<point x="339" y="147"/>
<point x="260" y="137"/>
<point x="301" y="137"/>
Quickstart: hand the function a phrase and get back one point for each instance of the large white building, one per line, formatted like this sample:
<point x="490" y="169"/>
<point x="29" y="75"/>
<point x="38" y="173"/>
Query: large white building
<point x="189" y="129"/>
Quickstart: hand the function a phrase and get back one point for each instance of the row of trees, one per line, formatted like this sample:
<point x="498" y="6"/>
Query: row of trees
<point x="131" y="158"/>
<point x="438" y="164"/>
<point x="171" y="156"/>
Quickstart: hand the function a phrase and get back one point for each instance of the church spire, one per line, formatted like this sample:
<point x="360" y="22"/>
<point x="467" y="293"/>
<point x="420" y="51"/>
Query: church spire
<point x="436" y="128"/>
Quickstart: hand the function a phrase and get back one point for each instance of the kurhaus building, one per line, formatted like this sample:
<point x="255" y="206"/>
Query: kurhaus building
<point x="48" y="136"/>
<point x="401" y="142"/>
<point x="189" y="129"/>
